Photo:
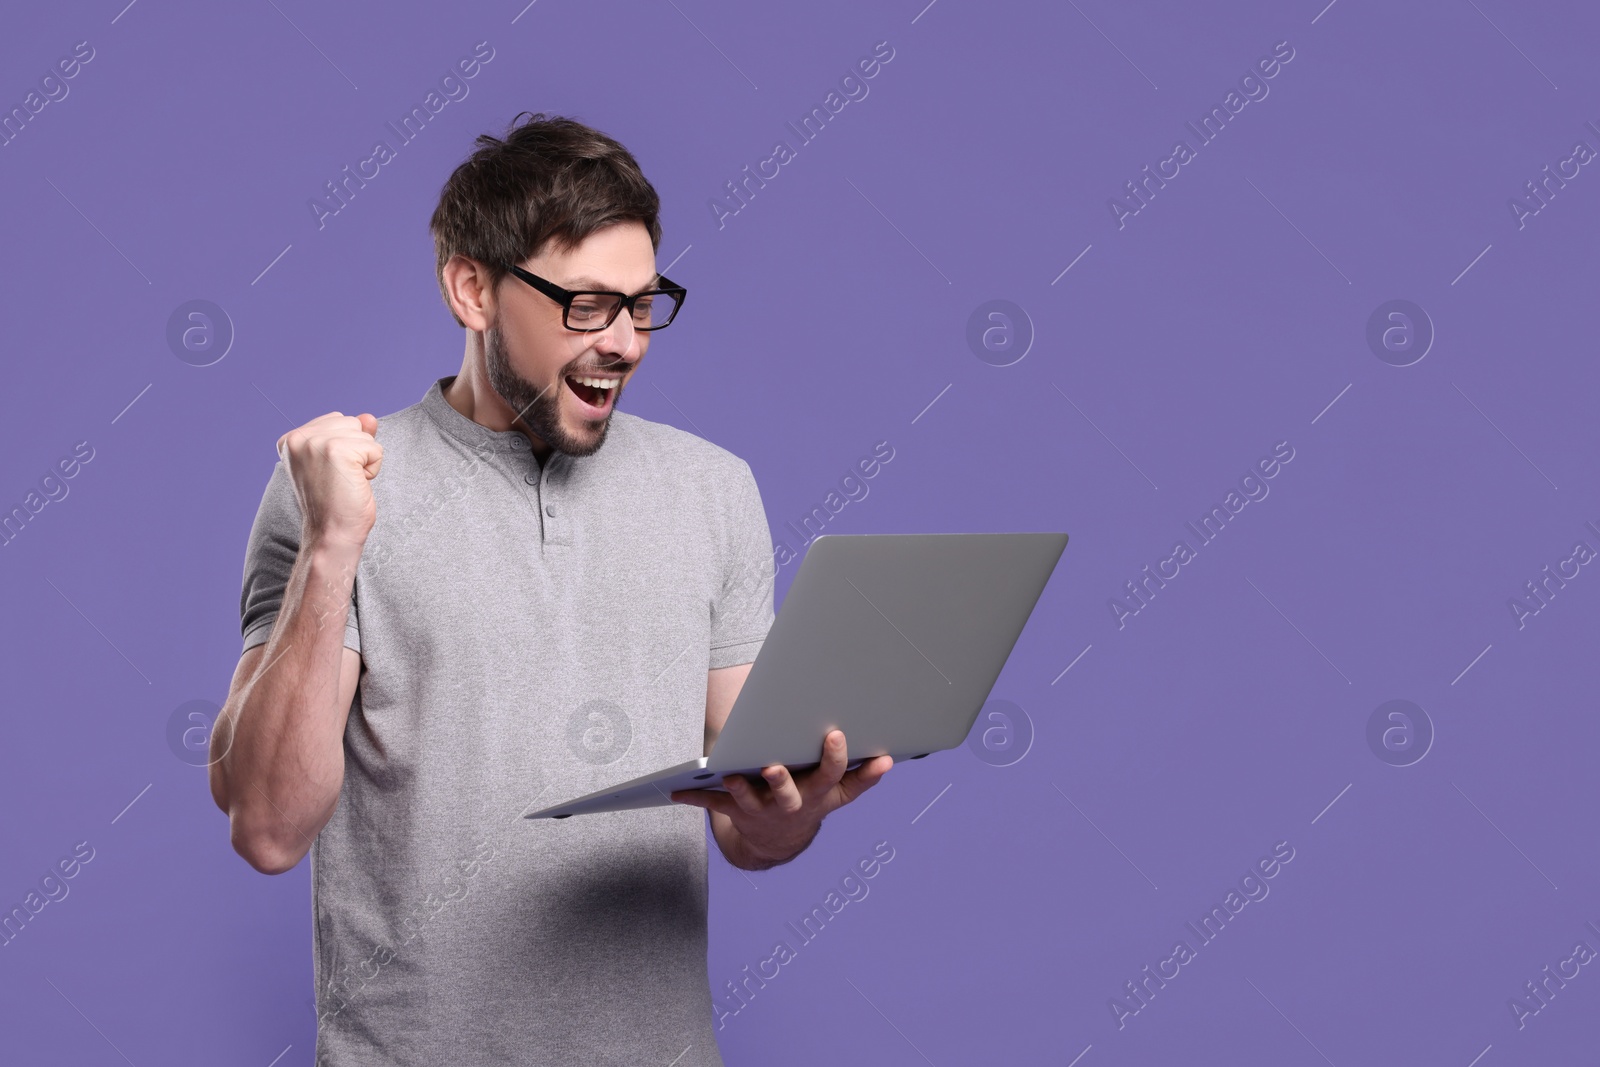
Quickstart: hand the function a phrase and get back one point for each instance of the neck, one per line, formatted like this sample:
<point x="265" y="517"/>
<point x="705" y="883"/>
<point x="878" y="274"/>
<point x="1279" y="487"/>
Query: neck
<point x="471" y="394"/>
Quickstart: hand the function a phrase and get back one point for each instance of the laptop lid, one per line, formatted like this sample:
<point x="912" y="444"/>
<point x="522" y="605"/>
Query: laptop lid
<point x="896" y="639"/>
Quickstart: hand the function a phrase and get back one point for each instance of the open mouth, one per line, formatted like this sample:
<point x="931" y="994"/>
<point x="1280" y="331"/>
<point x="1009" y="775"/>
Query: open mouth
<point x="595" y="394"/>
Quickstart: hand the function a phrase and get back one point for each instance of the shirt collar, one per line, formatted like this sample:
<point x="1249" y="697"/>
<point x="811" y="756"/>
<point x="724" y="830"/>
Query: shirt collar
<point x="473" y="434"/>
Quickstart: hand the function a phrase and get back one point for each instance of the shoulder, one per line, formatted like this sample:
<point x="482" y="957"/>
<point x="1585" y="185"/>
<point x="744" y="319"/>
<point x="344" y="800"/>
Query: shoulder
<point x="397" y="432"/>
<point x="409" y="444"/>
<point x="681" y="455"/>
<point x="405" y="424"/>
<point x="418" y="451"/>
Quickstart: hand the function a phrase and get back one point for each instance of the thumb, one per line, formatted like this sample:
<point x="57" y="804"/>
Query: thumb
<point x="369" y="423"/>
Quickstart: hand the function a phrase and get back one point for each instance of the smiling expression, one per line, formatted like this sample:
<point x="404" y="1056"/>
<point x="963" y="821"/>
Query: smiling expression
<point x="563" y="384"/>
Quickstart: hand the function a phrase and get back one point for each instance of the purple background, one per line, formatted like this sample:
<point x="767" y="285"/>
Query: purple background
<point x="830" y="313"/>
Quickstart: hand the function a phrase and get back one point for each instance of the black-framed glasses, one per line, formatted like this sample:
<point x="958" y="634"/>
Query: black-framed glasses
<point x="592" y="310"/>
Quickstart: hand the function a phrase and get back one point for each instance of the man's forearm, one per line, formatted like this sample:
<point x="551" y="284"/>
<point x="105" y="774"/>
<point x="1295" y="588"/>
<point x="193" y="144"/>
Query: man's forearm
<point x="283" y="759"/>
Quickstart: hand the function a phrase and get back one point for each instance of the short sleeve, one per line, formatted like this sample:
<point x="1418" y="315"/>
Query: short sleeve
<point x="269" y="557"/>
<point x="742" y="612"/>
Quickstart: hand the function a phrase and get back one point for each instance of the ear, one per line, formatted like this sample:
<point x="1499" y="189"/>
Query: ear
<point x="469" y="292"/>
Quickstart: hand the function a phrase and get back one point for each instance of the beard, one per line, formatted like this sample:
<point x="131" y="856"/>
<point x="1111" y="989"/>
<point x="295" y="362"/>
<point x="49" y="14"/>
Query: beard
<point x="539" y="409"/>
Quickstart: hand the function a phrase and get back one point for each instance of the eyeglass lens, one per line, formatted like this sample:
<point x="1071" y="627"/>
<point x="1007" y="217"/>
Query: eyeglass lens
<point x="594" y="310"/>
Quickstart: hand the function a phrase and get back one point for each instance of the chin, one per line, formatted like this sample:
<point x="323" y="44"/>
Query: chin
<point x="585" y="439"/>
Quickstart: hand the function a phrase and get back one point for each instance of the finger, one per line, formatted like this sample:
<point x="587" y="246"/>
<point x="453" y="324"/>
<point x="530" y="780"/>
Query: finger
<point x="864" y="778"/>
<point x="322" y="422"/>
<point x="710" y="799"/>
<point x="372" y="458"/>
<point x="369" y="423"/>
<point x="785" y="792"/>
<point x="744" y="794"/>
<point x="333" y="424"/>
<point x="342" y="428"/>
<point x="824" y="778"/>
<point x="834" y="759"/>
<point x="349" y="452"/>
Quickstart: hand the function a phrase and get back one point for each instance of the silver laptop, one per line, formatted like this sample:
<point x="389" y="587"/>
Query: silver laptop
<point x="896" y="639"/>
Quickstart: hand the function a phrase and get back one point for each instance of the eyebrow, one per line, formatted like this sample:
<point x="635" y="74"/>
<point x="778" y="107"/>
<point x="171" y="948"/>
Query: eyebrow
<point x="592" y="283"/>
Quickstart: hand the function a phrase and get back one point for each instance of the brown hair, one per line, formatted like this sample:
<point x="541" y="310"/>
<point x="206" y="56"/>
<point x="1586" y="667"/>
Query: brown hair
<point x="551" y="178"/>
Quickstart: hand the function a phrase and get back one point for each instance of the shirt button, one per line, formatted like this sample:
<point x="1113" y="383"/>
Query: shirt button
<point x="519" y="442"/>
<point x="531" y="479"/>
<point x="550" y="510"/>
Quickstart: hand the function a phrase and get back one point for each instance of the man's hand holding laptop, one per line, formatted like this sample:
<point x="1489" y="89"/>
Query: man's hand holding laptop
<point x="771" y="822"/>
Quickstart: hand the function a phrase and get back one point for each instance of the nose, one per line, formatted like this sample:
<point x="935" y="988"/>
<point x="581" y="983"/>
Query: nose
<point x="620" y="339"/>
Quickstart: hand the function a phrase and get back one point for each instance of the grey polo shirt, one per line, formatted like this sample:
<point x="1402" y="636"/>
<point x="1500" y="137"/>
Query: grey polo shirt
<point x="528" y="633"/>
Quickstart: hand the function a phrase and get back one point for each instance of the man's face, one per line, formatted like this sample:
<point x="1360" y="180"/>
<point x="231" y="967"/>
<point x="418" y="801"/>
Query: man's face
<point x="532" y="359"/>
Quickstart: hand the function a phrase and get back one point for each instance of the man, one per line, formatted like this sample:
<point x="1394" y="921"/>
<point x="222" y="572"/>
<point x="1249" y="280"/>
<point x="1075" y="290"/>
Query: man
<point x="511" y="613"/>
